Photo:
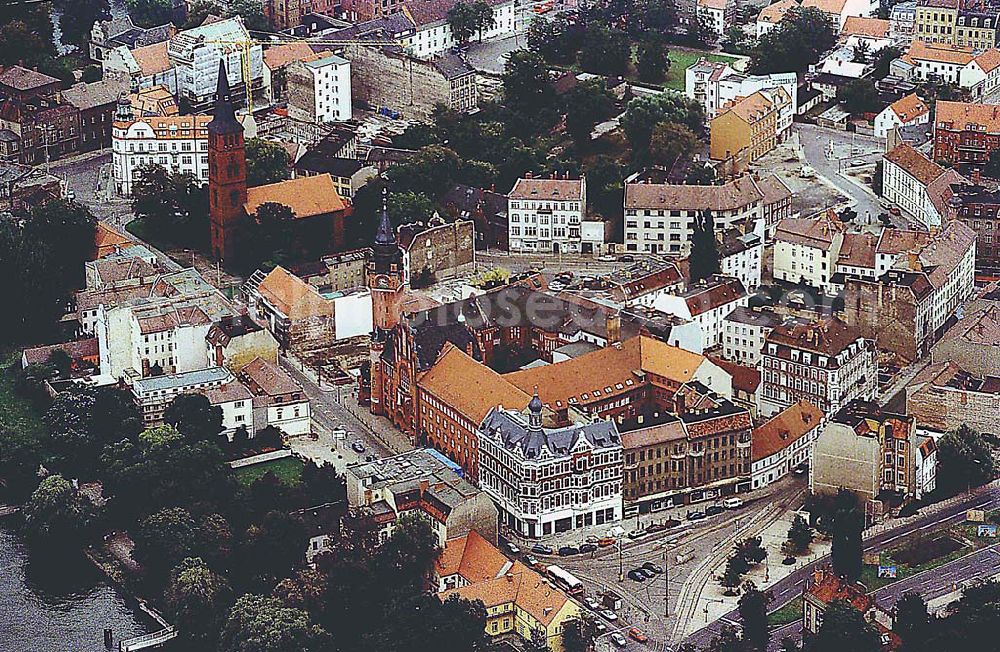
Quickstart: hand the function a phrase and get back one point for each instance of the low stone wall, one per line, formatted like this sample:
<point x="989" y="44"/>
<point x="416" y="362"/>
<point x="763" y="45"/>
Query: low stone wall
<point x="258" y="459"/>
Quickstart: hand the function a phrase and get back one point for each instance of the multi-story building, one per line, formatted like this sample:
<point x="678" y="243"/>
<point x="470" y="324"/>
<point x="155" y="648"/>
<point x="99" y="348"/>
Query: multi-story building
<point x="838" y="11"/>
<point x="977" y="206"/>
<point x="902" y="21"/>
<point x="97" y="103"/>
<point x="744" y="331"/>
<point x="143" y="68"/>
<point x="319" y="90"/>
<point x="906" y="176"/>
<point x="550" y="480"/>
<point x="976" y="27"/>
<point x="716" y="13"/>
<point x="943" y="397"/>
<point x="744" y="131"/>
<point x="176" y="143"/>
<point x="153" y="394"/>
<point x="278" y="399"/>
<point x="825" y="587"/>
<point x="907" y="309"/>
<point x="121" y="32"/>
<point x="707" y="303"/>
<point x="547" y="215"/>
<point x="935" y="20"/>
<point x="673" y="460"/>
<point x="714" y="85"/>
<point x="965" y="133"/>
<point x="740" y="256"/>
<point x="771" y="16"/>
<point x="933" y="60"/>
<point x="195" y="54"/>
<point x="870" y="451"/>
<point x="433" y="34"/>
<point x="421" y="482"/>
<point x="784" y="442"/>
<point x="659" y="218"/>
<point x="825" y="362"/>
<point x="807" y="250"/>
<point x="908" y="110"/>
<point x="236" y="403"/>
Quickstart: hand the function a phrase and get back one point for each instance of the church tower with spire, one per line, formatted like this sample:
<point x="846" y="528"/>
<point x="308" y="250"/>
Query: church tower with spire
<point x="227" y="172"/>
<point x="386" y="281"/>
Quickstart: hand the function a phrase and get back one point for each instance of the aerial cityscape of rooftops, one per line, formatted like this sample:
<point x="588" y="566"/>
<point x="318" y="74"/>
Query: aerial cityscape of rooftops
<point x="500" y="325"/>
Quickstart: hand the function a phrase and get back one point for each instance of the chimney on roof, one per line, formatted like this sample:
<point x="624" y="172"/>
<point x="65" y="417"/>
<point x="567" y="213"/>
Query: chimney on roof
<point x="527" y="175"/>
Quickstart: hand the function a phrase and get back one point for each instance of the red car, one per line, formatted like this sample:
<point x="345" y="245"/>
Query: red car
<point x="636" y="635"/>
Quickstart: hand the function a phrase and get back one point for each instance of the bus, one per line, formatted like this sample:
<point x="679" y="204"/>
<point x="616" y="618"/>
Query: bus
<point x="566" y="580"/>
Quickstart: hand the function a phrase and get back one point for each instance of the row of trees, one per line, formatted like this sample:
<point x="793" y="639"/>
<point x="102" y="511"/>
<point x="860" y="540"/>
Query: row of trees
<point x="468" y="18"/>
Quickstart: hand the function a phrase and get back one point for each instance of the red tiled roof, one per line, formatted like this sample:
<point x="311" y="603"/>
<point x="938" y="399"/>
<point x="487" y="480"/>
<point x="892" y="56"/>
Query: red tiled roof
<point x="784" y="429"/>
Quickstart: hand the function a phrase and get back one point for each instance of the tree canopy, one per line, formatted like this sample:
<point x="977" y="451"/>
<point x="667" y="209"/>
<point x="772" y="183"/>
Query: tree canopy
<point x="267" y="162"/>
<point x="795" y="44"/>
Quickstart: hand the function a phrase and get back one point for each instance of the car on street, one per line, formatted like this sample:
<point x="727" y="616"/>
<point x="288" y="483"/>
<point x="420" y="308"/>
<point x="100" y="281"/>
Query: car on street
<point x="530" y="561"/>
<point x="712" y="510"/>
<point x="695" y="516"/>
<point x="650" y="566"/>
<point x="541" y="549"/>
<point x="592" y="539"/>
<point x="608" y="615"/>
<point x="592" y="603"/>
<point x="648" y="573"/>
<point x="600" y="627"/>
<point x="618" y="639"/>
<point x="635" y="534"/>
<point x="655" y="527"/>
<point x="604" y="542"/>
<point x="636" y="635"/>
<point x="588" y="547"/>
<point x="626" y="259"/>
<point x="514" y="550"/>
<point x="566" y="551"/>
<point x="732" y="503"/>
<point x="636" y="575"/>
<point x="358" y="447"/>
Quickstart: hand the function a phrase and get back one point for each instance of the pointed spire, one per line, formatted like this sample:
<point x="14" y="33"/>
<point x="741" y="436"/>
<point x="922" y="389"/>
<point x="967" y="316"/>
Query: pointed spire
<point x="385" y="235"/>
<point x="224" y="115"/>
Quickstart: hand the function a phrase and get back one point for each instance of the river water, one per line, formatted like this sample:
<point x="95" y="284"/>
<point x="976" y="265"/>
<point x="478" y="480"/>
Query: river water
<point x="60" y="605"/>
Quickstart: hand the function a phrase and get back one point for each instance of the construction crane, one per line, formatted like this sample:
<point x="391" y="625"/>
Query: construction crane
<point x="283" y="39"/>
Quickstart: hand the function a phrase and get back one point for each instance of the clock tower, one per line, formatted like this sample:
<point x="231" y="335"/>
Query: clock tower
<point x="386" y="283"/>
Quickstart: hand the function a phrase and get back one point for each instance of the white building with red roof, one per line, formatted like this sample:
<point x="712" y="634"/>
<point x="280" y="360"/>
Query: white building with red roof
<point x="784" y="442"/>
<point x="547" y="215"/>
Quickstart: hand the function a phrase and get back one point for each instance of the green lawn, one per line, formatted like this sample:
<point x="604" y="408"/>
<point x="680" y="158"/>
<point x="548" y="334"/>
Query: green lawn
<point x="15" y="413"/>
<point x="787" y="614"/>
<point x="680" y="60"/>
<point x="288" y="470"/>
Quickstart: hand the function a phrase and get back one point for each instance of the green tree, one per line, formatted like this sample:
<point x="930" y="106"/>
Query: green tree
<point x="605" y="189"/>
<point x="557" y="40"/>
<point x="273" y="549"/>
<point x="150" y="13"/>
<point x="267" y="162"/>
<point x="645" y="112"/>
<point x="91" y="73"/>
<point x="912" y="622"/>
<point x="198" y="11"/>
<point x="409" y="206"/>
<point x="653" y="62"/>
<point x="252" y="13"/>
<point x="260" y="624"/>
<point x="578" y="634"/>
<point x="77" y="17"/>
<point x="861" y="52"/>
<point x="483" y="17"/>
<point x="700" y="174"/>
<point x="163" y="539"/>
<point x="704" y="260"/>
<point x="752" y="550"/>
<point x="844" y="628"/>
<point x="670" y="144"/>
<point x="65" y="230"/>
<point x="175" y="205"/>
<point x="20" y="458"/>
<point x="800" y="536"/>
<point x="608" y="51"/>
<point x="197" y="600"/>
<point x="859" y="96"/>
<point x="753" y="613"/>
<point x="795" y="44"/>
<point x="528" y="95"/>
<point x="81" y="422"/>
<point x="965" y="460"/>
<point x="586" y="105"/>
<point x="883" y="59"/>
<point x="846" y="554"/>
<point x="20" y="43"/>
<point x="736" y="566"/>
<point x="57" y="515"/>
<point x="194" y="417"/>
<point x="462" y="21"/>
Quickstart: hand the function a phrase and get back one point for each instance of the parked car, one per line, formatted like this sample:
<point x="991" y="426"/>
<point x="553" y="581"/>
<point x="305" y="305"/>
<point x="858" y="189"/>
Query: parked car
<point x="358" y="447"/>
<point x="604" y="542"/>
<point x="648" y="573"/>
<point x="655" y="527"/>
<point x="732" y="503"/>
<point x="695" y="516"/>
<point x="627" y="258"/>
<point x="514" y="550"/>
<point x="618" y="639"/>
<point x="531" y="561"/>
<point x="637" y="635"/>
<point x="566" y="551"/>
<point x="541" y="549"/>
<point x="636" y="575"/>
<point x="600" y="627"/>
<point x="712" y="510"/>
<point x="592" y="603"/>
<point x="588" y="547"/>
<point x="635" y="534"/>
<point x="608" y="615"/>
<point x="650" y="566"/>
<point x="592" y="539"/>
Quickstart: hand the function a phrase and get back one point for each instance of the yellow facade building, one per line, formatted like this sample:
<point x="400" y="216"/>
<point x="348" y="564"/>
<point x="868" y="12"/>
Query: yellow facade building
<point x="744" y="131"/>
<point x="936" y="20"/>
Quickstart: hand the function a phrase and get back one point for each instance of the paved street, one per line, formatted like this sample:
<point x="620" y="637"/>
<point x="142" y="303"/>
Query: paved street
<point x="88" y="177"/>
<point x="848" y="147"/>
<point x="790" y="587"/>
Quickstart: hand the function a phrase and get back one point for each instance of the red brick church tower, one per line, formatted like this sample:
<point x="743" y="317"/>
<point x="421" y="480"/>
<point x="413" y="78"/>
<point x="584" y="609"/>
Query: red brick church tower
<point x="386" y="282"/>
<point x="227" y="172"/>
